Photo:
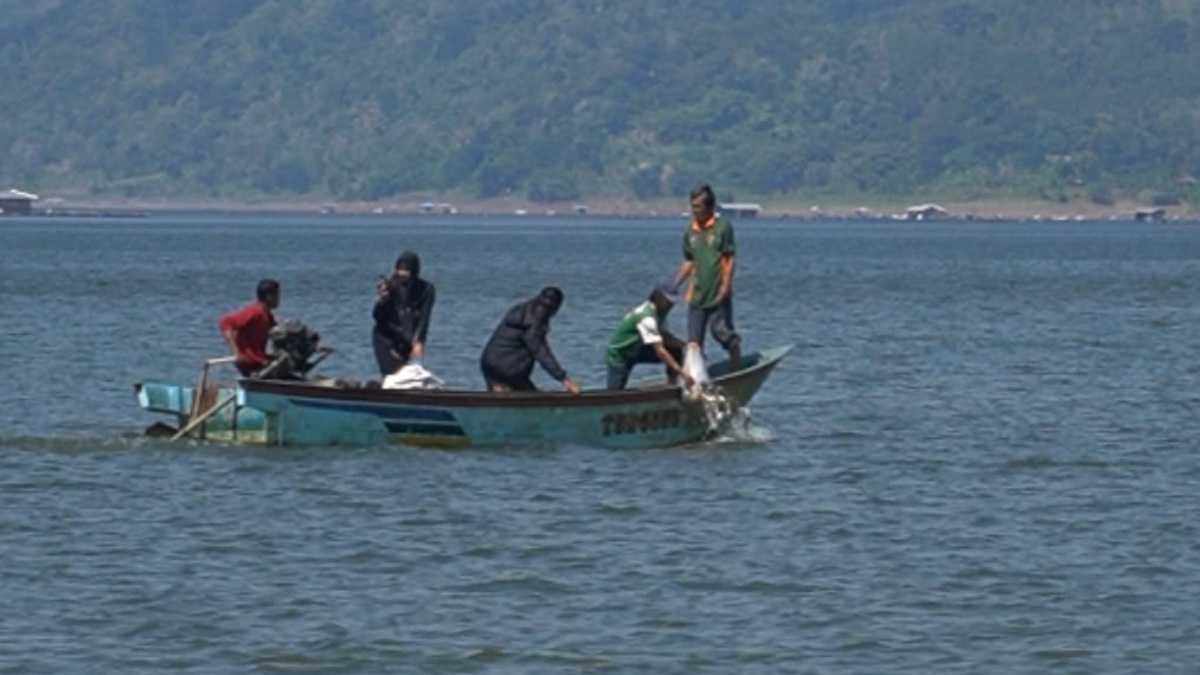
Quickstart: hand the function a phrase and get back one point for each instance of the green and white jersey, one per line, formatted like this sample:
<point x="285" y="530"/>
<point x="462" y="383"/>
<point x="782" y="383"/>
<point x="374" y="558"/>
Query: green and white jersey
<point x="639" y="327"/>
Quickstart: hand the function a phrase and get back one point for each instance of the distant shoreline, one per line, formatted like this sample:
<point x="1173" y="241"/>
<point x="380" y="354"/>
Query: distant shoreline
<point x="782" y="208"/>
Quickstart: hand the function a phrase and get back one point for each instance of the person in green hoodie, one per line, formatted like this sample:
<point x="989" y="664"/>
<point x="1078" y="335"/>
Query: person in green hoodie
<point x="642" y="337"/>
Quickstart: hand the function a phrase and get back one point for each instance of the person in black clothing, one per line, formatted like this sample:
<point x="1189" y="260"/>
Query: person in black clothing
<point x="519" y="340"/>
<point x="401" y="313"/>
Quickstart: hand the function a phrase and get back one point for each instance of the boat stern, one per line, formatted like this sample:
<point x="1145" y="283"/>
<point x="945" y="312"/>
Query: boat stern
<point x="234" y="424"/>
<point x="169" y="399"/>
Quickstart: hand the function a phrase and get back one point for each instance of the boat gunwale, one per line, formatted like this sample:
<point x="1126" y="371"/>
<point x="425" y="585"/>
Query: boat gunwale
<point x="462" y="398"/>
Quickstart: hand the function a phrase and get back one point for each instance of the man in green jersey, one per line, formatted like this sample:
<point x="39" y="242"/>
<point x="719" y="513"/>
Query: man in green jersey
<point x="708" y="260"/>
<point x="642" y="337"/>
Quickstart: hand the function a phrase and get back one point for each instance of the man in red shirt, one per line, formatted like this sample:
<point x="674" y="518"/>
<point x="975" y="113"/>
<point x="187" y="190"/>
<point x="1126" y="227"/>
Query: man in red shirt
<point x="246" y="330"/>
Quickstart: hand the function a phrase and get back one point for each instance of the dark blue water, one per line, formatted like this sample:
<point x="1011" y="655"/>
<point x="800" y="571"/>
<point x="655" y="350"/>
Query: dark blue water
<point x="982" y="458"/>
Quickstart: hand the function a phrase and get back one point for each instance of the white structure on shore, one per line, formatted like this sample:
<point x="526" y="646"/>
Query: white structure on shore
<point x="925" y="212"/>
<point x="744" y="210"/>
<point x="1150" y="215"/>
<point x="17" y="202"/>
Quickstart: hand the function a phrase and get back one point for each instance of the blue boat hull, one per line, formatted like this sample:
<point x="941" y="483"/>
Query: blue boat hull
<point x="297" y="413"/>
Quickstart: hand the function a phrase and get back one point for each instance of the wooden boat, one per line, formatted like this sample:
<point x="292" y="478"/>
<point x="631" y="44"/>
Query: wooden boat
<point x="281" y="412"/>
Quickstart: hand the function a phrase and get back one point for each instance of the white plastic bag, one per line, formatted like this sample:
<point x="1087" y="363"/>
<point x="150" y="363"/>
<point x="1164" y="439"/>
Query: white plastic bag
<point x="694" y="366"/>
<point x="413" y="376"/>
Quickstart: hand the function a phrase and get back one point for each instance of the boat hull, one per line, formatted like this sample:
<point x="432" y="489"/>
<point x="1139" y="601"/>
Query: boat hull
<point x="296" y="413"/>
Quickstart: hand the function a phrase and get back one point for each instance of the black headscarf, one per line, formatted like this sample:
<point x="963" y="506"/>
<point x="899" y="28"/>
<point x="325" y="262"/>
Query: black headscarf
<point x="403" y="315"/>
<point x="545" y="305"/>
<point x="410" y="261"/>
<point x="403" y="291"/>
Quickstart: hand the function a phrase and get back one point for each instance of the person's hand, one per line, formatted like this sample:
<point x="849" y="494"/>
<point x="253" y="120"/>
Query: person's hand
<point x="688" y="380"/>
<point x="382" y="288"/>
<point x="570" y="386"/>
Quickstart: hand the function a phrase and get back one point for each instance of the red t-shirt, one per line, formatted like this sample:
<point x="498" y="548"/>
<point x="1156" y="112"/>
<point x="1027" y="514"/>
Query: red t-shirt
<point x="251" y="325"/>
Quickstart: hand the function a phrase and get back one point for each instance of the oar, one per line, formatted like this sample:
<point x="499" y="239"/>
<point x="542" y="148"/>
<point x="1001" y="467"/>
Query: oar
<point x="202" y="385"/>
<point x="196" y="422"/>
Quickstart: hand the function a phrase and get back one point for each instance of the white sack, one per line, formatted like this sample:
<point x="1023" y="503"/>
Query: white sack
<point x="413" y="376"/>
<point x="694" y="366"/>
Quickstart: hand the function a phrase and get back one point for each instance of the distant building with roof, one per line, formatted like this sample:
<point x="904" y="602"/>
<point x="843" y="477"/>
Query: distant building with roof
<point x="1150" y="215"/>
<point x="925" y="212"/>
<point x="17" y="203"/>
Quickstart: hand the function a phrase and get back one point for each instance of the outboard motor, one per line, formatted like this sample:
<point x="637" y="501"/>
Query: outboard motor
<point x="294" y="345"/>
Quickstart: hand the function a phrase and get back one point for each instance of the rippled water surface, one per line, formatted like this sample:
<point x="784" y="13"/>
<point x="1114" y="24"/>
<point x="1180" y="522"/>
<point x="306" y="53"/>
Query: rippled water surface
<point x="982" y="457"/>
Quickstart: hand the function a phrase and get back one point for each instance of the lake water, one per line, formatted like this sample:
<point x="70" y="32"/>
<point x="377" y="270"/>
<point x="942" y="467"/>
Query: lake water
<point x="982" y="457"/>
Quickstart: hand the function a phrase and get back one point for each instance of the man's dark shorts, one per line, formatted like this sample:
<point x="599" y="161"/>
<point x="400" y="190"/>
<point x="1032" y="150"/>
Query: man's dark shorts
<point x="618" y="376"/>
<point x="720" y="318"/>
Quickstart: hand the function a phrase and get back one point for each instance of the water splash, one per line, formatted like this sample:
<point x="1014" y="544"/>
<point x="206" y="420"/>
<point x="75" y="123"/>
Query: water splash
<point x="742" y="429"/>
<point x="727" y="422"/>
<point x="719" y="409"/>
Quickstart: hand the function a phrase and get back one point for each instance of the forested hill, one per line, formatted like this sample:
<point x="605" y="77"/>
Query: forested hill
<point x="557" y="98"/>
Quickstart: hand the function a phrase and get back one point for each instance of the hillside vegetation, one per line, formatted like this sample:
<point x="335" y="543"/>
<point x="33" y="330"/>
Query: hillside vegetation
<point x="553" y="99"/>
